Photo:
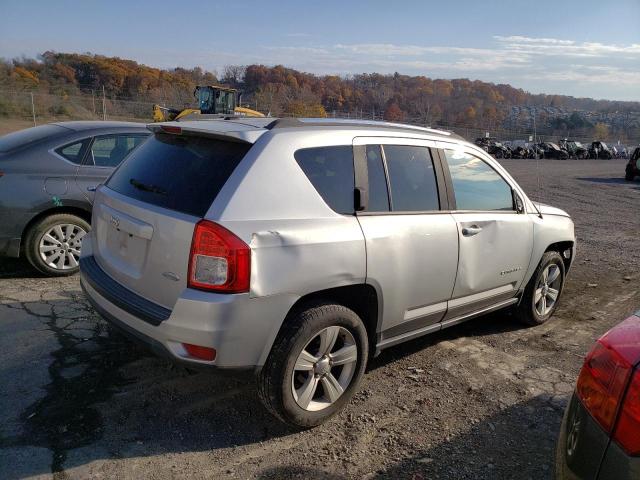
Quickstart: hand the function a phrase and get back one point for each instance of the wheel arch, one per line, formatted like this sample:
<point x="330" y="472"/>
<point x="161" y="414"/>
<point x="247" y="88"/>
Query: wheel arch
<point x="77" y="210"/>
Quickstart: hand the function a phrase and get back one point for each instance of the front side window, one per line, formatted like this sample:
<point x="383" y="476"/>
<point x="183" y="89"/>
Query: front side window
<point x="412" y="178"/>
<point x="110" y="150"/>
<point x="476" y="185"/>
<point x="330" y="170"/>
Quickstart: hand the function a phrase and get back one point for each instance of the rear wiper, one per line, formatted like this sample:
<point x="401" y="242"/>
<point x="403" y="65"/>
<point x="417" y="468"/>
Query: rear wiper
<point x="147" y="188"/>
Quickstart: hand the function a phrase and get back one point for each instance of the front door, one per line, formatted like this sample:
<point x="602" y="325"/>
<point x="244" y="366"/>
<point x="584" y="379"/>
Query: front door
<point x="496" y="240"/>
<point x="411" y="244"/>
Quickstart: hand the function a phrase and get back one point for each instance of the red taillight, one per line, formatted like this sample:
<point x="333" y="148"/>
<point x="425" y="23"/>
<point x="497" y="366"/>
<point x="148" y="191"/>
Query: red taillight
<point x="606" y="375"/>
<point x="627" y="432"/>
<point x="219" y="260"/>
<point x="203" y="353"/>
<point x="601" y="383"/>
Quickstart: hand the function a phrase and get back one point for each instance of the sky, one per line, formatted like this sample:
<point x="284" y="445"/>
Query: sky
<point x="584" y="48"/>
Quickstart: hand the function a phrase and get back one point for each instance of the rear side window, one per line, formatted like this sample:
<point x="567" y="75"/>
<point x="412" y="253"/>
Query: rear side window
<point x="110" y="150"/>
<point x="412" y="178"/>
<point x="180" y="173"/>
<point x="330" y="170"/>
<point x="22" y="138"/>
<point x="74" y="152"/>
<point x="476" y="185"/>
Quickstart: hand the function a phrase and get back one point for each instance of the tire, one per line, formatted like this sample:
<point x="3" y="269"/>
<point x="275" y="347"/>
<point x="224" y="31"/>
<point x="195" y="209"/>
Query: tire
<point x="66" y="232"/>
<point x="307" y="330"/>
<point x="530" y="312"/>
<point x="628" y="175"/>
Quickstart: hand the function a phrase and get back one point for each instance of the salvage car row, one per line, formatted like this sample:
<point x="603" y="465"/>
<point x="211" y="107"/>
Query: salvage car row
<point x="563" y="150"/>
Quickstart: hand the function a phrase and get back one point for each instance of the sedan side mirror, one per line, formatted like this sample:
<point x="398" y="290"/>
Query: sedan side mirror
<point x="519" y="204"/>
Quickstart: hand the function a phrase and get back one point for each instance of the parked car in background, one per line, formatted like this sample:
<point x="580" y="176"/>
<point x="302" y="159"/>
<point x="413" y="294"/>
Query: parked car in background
<point x="293" y="248"/>
<point x="599" y="150"/>
<point x="553" y="151"/>
<point x="574" y="149"/>
<point x="493" y="147"/>
<point x="632" y="169"/>
<point x="600" y="433"/>
<point x="48" y="175"/>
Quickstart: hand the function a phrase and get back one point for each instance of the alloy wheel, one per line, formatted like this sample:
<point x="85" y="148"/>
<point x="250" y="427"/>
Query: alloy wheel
<point x="324" y="368"/>
<point x="547" y="289"/>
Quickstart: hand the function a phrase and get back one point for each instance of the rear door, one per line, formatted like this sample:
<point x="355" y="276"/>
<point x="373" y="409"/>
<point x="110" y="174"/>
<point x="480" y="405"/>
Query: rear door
<point x="144" y="216"/>
<point x="104" y="153"/>
<point x="496" y="240"/>
<point x="411" y="239"/>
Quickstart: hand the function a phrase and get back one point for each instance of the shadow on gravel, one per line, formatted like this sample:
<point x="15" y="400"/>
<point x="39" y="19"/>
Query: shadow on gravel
<point x="108" y="398"/>
<point x="490" y="324"/>
<point x="496" y="447"/>
<point x="610" y="180"/>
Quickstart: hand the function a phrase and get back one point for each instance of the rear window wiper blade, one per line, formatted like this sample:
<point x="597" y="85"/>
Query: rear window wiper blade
<point x="147" y="188"/>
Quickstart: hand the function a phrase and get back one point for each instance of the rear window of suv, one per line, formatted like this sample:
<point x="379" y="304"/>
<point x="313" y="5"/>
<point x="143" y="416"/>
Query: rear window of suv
<point x="181" y="173"/>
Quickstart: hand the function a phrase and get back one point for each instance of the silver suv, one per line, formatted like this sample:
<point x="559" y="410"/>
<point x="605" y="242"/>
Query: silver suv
<point x="297" y="248"/>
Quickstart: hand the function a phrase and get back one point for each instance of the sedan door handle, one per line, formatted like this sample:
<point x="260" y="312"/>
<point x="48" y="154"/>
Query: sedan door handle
<point x="471" y="231"/>
<point x="92" y="188"/>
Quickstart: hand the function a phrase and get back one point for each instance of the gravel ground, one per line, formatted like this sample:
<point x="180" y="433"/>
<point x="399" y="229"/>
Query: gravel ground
<point x="480" y="400"/>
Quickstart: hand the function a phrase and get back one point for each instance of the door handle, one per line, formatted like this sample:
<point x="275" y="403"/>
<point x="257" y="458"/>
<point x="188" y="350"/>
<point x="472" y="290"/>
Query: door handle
<point x="92" y="188"/>
<point x="471" y="231"/>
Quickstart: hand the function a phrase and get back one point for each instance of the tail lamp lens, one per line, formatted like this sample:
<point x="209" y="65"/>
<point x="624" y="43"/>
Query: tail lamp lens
<point x="602" y="382"/>
<point x="219" y="260"/>
<point x="608" y="387"/>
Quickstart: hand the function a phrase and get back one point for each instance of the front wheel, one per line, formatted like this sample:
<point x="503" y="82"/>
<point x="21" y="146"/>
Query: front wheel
<point x="540" y="298"/>
<point x="315" y="365"/>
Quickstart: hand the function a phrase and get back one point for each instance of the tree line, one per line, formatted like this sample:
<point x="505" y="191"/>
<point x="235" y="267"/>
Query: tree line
<point x="279" y="90"/>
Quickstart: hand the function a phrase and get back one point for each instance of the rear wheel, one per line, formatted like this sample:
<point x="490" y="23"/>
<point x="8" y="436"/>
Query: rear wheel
<point x="540" y="298"/>
<point x="315" y="365"/>
<point x="52" y="245"/>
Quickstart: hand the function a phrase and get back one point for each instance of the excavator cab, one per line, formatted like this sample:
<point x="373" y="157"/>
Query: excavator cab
<point x="216" y="100"/>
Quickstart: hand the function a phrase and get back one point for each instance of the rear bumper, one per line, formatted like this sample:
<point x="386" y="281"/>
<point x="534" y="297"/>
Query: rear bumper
<point x="240" y="328"/>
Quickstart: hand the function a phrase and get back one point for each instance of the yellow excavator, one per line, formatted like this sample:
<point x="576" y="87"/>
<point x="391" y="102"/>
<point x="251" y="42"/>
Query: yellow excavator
<point x="214" y="101"/>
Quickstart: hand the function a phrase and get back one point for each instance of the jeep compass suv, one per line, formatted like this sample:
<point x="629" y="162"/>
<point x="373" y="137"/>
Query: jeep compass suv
<point x="297" y="248"/>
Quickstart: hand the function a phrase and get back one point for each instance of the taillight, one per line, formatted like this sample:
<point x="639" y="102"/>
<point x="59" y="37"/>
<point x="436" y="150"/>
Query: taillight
<point x="219" y="260"/>
<point x="608" y="388"/>
<point x="601" y="384"/>
<point x="627" y="432"/>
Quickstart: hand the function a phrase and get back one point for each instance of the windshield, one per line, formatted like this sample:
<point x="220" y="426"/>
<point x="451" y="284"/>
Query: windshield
<point x="22" y="138"/>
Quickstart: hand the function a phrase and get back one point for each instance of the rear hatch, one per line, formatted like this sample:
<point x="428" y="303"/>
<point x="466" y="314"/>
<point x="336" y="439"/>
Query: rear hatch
<point x="144" y="216"/>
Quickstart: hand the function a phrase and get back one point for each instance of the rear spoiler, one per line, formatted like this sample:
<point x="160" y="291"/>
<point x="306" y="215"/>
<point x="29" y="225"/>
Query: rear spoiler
<point x="218" y="129"/>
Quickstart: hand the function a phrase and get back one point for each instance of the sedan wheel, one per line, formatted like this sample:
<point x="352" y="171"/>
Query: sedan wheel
<point x="60" y="246"/>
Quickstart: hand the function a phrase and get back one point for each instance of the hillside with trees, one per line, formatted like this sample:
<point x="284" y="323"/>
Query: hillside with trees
<point x="284" y="91"/>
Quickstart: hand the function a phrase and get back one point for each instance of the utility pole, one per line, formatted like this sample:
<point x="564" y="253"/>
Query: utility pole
<point x="104" y="103"/>
<point x="93" y="100"/>
<point x="33" y="110"/>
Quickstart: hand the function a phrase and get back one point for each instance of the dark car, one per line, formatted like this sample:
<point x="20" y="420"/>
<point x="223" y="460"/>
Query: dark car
<point x="574" y="149"/>
<point x="600" y="432"/>
<point x="633" y="167"/>
<point x="493" y="147"/>
<point x="552" y="150"/>
<point x="599" y="150"/>
<point x="47" y="178"/>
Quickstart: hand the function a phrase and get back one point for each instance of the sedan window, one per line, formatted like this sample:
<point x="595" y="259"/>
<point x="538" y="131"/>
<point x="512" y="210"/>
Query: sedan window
<point x="110" y="150"/>
<point x="74" y="152"/>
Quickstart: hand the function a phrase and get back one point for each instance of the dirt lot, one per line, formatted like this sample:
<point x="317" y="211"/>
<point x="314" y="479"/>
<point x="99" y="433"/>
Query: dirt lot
<point x="481" y="400"/>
